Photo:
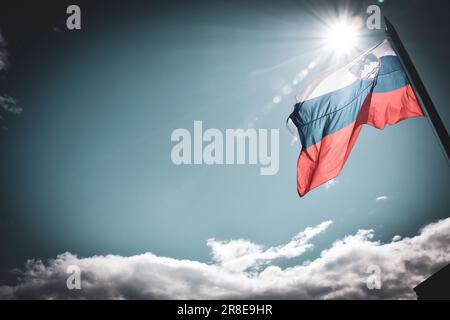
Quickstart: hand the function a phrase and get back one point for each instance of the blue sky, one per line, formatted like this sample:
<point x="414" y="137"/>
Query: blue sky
<point x="86" y="166"/>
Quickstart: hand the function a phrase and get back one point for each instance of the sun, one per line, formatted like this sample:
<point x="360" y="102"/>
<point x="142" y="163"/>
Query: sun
<point x="341" y="38"/>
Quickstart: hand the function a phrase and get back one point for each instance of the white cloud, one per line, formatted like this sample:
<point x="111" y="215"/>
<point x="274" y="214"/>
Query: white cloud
<point x="3" y="53"/>
<point x="396" y="238"/>
<point x="382" y="198"/>
<point x="240" y="255"/>
<point x="7" y="104"/>
<point x="332" y="183"/>
<point x="339" y="272"/>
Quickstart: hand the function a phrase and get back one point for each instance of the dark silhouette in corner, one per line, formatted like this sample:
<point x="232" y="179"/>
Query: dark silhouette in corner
<point x="436" y="287"/>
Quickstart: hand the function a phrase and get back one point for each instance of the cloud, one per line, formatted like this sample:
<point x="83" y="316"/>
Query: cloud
<point x="332" y="183"/>
<point x="7" y="104"/>
<point x="240" y="255"/>
<point x="3" y="53"/>
<point x="382" y="198"/>
<point x="243" y="269"/>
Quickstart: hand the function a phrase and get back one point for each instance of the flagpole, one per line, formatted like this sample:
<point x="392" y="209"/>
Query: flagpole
<point x="416" y="82"/>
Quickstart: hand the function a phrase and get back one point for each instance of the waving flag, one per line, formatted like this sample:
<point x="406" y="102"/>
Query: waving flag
<point x="373" y="89"/>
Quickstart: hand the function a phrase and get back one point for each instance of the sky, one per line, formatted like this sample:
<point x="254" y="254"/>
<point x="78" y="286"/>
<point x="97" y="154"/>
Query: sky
<point x="86" y="174"/>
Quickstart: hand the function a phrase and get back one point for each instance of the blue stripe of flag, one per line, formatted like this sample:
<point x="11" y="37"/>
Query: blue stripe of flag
<point x="321" y="116"/>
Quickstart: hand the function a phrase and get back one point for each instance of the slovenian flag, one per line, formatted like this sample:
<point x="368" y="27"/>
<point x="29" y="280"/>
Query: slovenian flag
<point x="373" y="89"/>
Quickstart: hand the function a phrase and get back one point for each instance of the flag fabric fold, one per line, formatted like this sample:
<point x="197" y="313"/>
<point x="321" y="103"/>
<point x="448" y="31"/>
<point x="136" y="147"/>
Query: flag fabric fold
<point x="373" y="89"/>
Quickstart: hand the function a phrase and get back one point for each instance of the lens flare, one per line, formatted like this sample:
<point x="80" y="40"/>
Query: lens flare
<point x="341" y="38"/>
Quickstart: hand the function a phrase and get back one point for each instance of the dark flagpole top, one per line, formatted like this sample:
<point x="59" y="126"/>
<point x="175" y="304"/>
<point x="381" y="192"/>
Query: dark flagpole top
<point x="389" y="26"/>
<point x="416" y="82"/>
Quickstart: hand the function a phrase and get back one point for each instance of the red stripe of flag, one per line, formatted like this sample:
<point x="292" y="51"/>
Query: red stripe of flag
<point x="324" y="160"/>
